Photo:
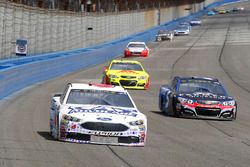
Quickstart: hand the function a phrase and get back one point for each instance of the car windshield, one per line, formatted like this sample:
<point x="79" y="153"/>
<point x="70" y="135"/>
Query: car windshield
<point x="135" y="45"/>
<point x="195" y="85"/>
<point x="126" y="66"/>
<point x="162" y="32"/>
<point x="99" y="97"/>
<point x="182" y="27"/>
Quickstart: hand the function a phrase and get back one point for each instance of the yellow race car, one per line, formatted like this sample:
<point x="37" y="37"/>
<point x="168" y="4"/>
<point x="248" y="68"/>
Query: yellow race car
<point x="222" y="11"/>
<point x="129" y="74"/>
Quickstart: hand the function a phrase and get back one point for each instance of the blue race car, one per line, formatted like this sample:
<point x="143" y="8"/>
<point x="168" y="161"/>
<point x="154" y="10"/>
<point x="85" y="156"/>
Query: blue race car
<point x="197" y="97"/>
<point x="210" y="13"/>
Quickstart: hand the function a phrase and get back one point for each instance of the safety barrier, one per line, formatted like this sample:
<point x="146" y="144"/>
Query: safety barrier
<point x="19" y="73"/>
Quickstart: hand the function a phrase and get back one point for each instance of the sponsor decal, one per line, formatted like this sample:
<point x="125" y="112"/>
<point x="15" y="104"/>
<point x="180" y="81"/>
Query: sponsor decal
<point x="73" y="126"/>
<point x="127" y="72"/>
<point x="103" y="119"/>
<point x="142" y="127"/>
<point x="205" y="95"/>
<point x="104" y="110"/>
<point x="105" y="133"/>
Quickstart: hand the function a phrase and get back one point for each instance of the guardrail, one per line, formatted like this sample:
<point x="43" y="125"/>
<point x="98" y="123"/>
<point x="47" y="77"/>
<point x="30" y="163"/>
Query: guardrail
<point x="19" y="73"/>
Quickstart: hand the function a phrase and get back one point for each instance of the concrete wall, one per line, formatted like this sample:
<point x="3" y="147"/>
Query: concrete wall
<point x="49" y="31"/>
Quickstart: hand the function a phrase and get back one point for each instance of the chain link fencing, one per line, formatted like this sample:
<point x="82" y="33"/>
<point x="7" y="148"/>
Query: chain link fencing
<point x="54" y="30"/>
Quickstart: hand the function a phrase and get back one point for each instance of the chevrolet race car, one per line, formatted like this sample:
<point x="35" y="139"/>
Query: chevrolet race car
<point x="164" y="35"/>
<point x="197" y="97"/>
<point x="97" y="113"/>
<point x="129" y="74"/>
<point x="182" y="30"/>
<point x="195" y="21"/>
<point x="210" y="13"/>
<point x="136" y="49"/>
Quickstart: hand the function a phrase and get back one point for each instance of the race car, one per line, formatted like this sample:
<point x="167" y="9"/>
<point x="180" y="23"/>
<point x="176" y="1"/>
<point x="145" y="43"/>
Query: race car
<point x="197" y="97"/>
<point x="97" y="113"/>
<point x="210" y="13"/>
<point x="195" y="21"/>
<point x="129" y="74"/>
<point x="222" y="11"/>
<point x="164" y="35"/>
<point x="182" y="30"/>
<point x="186" y="24"/>
<point x="136" y="49"/>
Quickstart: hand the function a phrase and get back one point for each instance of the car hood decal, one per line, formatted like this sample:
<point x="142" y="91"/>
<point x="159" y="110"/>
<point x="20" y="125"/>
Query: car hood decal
<point x="102" y="110"/>
<point x="205" y="96"/>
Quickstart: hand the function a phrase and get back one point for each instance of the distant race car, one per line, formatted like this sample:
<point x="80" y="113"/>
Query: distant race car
<point x="210" y="13"/>
<point x="136" y="49"/>
<point x="97" y="113"/>
<point x="197" y="97"/>
<point x="186" y="24"/>
<point x="129" y="74"/>
<point x="222" y="11"/>
<point x="164" y="35"/>
<point x="182" y="30"/>
<point x="195" y="21"/>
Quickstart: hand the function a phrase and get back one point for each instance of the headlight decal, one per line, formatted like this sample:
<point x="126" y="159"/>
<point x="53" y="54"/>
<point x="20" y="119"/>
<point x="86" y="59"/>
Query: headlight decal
<point x="228" y="103"/>
<point x="136" y="123"/>
<point x="113" y="76"/>
<point x="185" y="100"/>
<point x="142" y="77"/>
<point x="70" y="118"/>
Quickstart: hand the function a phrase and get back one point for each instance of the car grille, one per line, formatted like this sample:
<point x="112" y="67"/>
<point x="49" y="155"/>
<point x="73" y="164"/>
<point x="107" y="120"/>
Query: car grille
<point x="128" y="82"/>
<point x="104" y="126"/>
<point x="136" y="53"/>
<point x="208" y="102"/>
<point x="128" y="77"/>
<point x="213" y="112"/>
<point x="85" y="137"/>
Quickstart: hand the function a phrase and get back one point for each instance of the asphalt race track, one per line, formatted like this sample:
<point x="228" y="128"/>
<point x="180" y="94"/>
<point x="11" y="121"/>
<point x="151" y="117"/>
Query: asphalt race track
<point x="219" y="48"/>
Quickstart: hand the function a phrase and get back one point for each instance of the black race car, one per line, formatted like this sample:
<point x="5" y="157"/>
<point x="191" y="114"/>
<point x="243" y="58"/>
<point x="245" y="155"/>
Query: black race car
<point x="197" y="97"/>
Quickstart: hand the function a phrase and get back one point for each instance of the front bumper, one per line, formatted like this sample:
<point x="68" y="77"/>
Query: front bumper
<point x="74" y="132"/>
<point x="214" y="112"/>
<point x="139" y="54"/>
<point x="181" y="33"/>
<point x="130" y="83"/>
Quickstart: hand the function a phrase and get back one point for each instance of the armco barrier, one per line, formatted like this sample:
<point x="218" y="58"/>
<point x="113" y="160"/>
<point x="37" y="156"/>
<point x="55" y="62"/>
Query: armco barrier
<point x="19" y="73"/>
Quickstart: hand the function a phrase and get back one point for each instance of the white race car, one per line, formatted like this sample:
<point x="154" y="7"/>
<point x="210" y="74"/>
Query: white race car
<point x="97" y="113"/>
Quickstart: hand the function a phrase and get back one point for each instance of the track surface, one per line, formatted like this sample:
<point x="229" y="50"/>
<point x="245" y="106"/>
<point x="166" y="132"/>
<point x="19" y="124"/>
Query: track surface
<point x="219" y="48"/>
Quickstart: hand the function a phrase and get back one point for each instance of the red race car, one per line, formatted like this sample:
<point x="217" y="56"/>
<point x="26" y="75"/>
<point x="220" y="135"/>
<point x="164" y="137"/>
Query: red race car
<point x="136" y="49"/>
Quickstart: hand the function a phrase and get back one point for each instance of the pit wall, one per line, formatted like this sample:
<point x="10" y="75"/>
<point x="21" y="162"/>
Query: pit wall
<point x="16" y="74"/>
<point x="50" y="30"/>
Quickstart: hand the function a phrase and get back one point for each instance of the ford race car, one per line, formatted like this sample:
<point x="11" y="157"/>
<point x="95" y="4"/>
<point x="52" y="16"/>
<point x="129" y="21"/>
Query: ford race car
<point x="197" y="97"/>
<point x="97" y="113"/>
<point x="129" y="74"/>
<point x="136" y="49"/>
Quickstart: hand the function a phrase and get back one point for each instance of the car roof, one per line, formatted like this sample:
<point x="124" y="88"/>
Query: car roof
<point x="197" y="78"/>
<point x="96" y="86"/>
<point x="125" y="61"/>
<point x="137" y="43"/>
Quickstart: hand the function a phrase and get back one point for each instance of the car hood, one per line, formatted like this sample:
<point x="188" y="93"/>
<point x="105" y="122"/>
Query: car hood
<point x="136" y="49"/>
<point x="205" y="96"/>
<point x="100" y="113"/>
<point x="127" y="72"/>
